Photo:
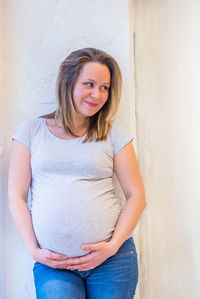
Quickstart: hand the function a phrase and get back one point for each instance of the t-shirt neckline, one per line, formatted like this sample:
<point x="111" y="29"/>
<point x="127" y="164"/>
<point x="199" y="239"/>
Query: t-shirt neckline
<point x="58" y="138"/>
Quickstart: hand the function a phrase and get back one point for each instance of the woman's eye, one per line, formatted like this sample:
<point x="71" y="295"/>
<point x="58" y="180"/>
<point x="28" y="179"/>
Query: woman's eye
<point x="88" y="84"/>
<point x="105" y="88"/>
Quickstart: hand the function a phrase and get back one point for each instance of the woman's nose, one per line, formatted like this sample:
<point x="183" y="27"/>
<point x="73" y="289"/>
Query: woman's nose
<point x="95" y="92"/>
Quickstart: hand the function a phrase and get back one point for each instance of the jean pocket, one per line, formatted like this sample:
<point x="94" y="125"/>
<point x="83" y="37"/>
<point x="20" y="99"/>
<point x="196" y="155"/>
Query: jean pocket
<point x="124" y="253"/>
<point x="127" y="248"/>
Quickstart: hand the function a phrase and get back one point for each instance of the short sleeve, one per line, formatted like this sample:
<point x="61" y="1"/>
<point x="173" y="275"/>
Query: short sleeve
<point x="119" y="137"/>
<point x="22" y="134"/>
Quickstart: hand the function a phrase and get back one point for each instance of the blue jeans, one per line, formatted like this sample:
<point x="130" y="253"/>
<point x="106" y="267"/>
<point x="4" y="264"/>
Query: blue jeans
<point x="115" y="278"/>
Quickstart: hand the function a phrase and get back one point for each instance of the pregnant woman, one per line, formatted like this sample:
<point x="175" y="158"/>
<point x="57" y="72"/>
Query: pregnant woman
<point x="76" y="228"/>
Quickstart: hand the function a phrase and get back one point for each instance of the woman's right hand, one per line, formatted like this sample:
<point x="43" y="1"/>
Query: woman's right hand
<point x="49" y="258"/>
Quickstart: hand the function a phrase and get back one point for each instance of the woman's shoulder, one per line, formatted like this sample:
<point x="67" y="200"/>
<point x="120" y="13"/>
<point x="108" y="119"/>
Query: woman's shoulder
<point x="26" y="130"/>
<point x="29" y="125"/>
<point x="31" y="121"/>
<point x="120" y="136"/>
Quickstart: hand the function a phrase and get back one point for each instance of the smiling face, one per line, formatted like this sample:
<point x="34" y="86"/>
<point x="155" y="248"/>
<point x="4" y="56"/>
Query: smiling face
<point x="91" y="90"/>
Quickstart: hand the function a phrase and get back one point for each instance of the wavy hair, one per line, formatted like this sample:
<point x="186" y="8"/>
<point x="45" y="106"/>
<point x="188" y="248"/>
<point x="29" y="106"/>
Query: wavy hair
<point x="101" y="122"/>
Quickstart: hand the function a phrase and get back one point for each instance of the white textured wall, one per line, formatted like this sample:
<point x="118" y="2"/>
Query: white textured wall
<point x="37" y="37"/>
<point x="167" y="47"/>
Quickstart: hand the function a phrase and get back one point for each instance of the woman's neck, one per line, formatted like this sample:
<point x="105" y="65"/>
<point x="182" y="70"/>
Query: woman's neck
<point x="80" y="125"/>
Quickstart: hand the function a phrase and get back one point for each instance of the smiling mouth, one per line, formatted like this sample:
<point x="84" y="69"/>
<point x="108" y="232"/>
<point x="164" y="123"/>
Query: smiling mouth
<point x="91" y="104"/>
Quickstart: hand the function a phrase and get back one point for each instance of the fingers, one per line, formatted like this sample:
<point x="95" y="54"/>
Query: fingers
<point x="56" y="256"/>
<point x="88" y="247"/>
<point x="95" y="246"/>
<point x="85" y="263"/>
<point x="56" y="264"/>
<point x="51" y="259"/>
<point x="56" y="260"/>
<point x="85" y="266"/>
<point x="99" y="252"/>
<point x="81" y="260"/>
<point x="60" y="264"/>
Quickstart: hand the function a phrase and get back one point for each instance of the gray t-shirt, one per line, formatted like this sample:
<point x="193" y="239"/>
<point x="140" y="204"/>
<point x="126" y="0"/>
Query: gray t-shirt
<point x="73" y="201"/>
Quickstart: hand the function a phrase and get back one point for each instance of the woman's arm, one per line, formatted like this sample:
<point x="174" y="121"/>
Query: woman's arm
<point x="127" y="171"/>
<point x="19" y="179"/>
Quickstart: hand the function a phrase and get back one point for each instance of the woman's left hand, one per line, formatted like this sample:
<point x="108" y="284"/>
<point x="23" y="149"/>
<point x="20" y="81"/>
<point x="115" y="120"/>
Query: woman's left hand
<point x="99" y="253"/>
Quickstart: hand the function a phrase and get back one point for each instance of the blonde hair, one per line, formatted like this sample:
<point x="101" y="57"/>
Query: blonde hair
<point x="99" y="123"/>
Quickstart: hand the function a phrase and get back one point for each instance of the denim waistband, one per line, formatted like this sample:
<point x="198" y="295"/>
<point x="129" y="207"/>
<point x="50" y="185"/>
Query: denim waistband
<point x="127" y="245"/>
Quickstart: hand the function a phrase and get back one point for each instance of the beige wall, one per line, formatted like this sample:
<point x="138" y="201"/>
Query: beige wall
<point x="167" y="47"/>
<point x="37" y="37"/>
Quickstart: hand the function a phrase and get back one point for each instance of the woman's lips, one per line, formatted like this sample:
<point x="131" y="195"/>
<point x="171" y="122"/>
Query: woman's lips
<point x="91" y="104"/>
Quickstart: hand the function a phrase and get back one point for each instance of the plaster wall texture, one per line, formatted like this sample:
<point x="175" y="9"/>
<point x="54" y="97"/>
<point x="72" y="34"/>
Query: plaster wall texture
<point x="167" y="46"/>
<point x="37" y="36"/>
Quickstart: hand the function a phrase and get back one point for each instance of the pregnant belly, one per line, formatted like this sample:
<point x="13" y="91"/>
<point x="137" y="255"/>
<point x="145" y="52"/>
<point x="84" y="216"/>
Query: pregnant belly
<point x="65" y="228"/>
